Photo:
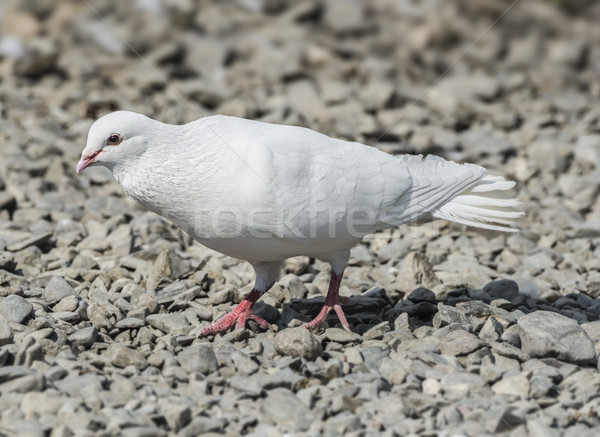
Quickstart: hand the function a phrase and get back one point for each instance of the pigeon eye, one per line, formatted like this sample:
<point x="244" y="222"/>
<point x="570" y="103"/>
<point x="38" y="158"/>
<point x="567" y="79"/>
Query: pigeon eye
<point x="114" y="140"/>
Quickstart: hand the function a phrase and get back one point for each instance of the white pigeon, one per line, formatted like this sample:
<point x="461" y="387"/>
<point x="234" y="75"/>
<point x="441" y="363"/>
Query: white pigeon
<point x="264" y="192"/>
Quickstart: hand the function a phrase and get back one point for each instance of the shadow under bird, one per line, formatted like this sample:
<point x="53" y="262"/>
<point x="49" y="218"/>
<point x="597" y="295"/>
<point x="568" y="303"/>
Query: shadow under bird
<point x="264" y="192"/>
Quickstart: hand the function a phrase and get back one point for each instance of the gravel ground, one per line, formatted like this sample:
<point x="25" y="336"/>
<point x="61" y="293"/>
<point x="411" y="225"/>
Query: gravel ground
<point x="456" y="331"/>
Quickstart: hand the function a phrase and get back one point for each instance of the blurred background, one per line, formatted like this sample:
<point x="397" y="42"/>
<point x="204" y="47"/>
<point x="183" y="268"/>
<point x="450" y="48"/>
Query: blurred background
<point x="511" y="85"/>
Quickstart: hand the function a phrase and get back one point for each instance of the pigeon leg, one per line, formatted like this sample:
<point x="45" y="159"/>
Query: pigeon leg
<point x="238" y="317"/>
<point x="332" y="302"/>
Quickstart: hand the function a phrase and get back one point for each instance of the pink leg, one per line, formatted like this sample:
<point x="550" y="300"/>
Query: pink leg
<point x="332" y="301"/>
<point x="238" y="317"/>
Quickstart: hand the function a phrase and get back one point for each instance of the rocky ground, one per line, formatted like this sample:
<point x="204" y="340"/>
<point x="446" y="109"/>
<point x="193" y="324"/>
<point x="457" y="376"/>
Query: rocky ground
<point x="456" y="331"/>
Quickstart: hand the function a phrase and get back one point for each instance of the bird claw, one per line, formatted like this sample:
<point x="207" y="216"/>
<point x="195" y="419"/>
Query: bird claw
<point x="237" y="318"/>
<point x="323" y="315"/>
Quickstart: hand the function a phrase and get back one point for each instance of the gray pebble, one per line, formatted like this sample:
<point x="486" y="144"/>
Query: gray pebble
<point x="246" y="385"/>
<point x="175" y="323"/>
<point x="298" y="342"/>
<point x="491" y="330"/>
<point x="201" y="425"/>
<point x="84" y="337"/>
<point x="547" y="334"/>
<point x="66" y="316"/>
<point x="130" y="323"/>
<point x="24" y="384"/>
<point x="517" y="385"/>
<point x="143" y="431"/>
<point x="198" y="358"/>
<point x="459" y="342"/>
<point x="177" y="415"/>
<point x="122" y="356"/>
<point x="16" y="309"/>
<point x="511" y="336"/>
<point x="447" y="315"/>
<point x="341" y="336"/>
<point x="285" y="409"/>
<point x="6" y="333"/>
<point x="56" y="290"/>
<point x="506" y="419"/>
<point x="67" y="304"/>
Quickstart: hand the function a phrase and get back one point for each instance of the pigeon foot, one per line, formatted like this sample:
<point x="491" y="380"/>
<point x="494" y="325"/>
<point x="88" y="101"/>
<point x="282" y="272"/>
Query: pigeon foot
<point x="323" y="315"/>
<point x="332" y="302"/>
<point x="238" y="317"/>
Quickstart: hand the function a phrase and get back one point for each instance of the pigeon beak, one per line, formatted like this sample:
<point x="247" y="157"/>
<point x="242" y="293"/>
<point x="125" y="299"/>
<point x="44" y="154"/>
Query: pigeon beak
<point x="86" y="161"/>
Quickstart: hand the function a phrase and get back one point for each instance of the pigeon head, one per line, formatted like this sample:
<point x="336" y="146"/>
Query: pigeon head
<point x="116" y="138"/>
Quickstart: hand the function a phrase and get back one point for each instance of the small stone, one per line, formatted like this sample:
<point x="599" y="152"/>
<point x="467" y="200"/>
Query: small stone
<point x="177" y="415"/>
<point x="222" y="296"/>
<point x="416" y="271"/>
<point x="31" y="241"/>
<point x="517" y="385"/>
<point x="201" y="425"/>
<point x="353" y="355"/>
<point x="285" y="409"/>
<point x="587" y="150"/>
<point x="198" y="358"/>
<point x="547" y="334"/>
<point x="41" y="403"/>
<point x="505" y="420"/>
<point x="16" y="309"/>
<point x="143" y="431"/>
<point x="167" y="265"/>
<point x="56" y="290"/>
<point x="491" y="330"/>
<point x="266" y="311"/>
<point x="377" y="332"/>
<point x="176" y="323"/>
<point x="8" y="373"/>
<point x="490" y="372"/>
<point x="245" y="384"/>
<point x="536" y="428"/>
<point x="122" y="356"/>
<point x="421" y="294"/>
<point x="511" y="336"/>
<point x="84" y="337"/>
<point x="541" y="386"/>
<point x="448" y="315"/>
<point x="431" y="386"/>
<point x="130" y="323"/>
<point x="510" y="351"/>
<point x="6" y="333"/>
<point x="459" y="342"/>
<point x="341" y="335"/>
<point x="298" y="342"/>
<point x="403" y="322"/>
<point x="502" y="288"/>
<point x="24" y="384"/>
<point x="66" y="316"/>
<point x="502" y="303"/>
<point x="297" y="265"/>
<point x="67" y="304"/>
<point x="56" y="373"/>
<point x="236" y="335"/>
<point x="7" y="201"/>
<point x="40" y="58"/>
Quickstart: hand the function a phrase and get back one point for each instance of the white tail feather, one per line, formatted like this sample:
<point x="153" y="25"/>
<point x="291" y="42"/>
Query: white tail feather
<point x="484" y="206"/>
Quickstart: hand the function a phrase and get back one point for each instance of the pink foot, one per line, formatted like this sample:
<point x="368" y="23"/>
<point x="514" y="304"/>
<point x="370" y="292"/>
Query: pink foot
<point x="323" y="315"/>
<point x="238" y="317"/>
<point x="332" y="302"/>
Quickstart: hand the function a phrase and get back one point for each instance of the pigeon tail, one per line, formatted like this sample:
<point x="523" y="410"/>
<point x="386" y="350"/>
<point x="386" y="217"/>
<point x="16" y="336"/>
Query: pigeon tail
<point x="485" y="205"/>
